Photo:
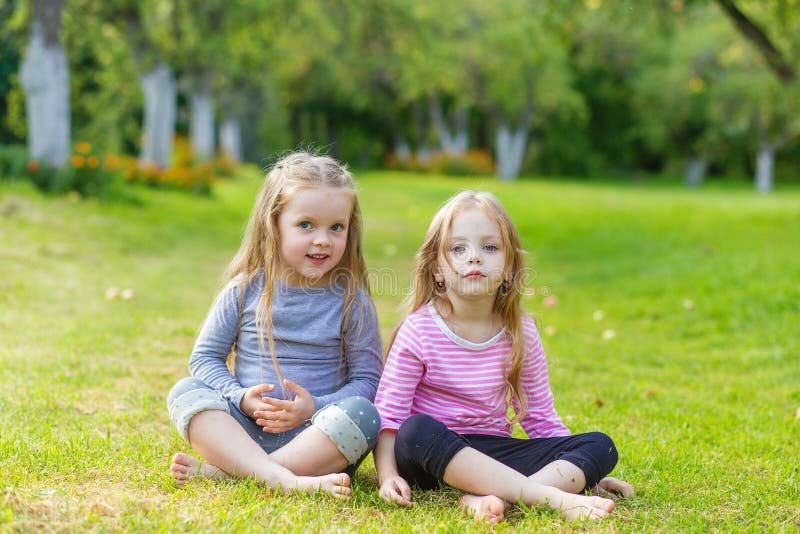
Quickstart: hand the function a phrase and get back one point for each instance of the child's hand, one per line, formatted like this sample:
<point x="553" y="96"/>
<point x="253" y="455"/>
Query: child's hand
<point x="395" y="489"/>
<point x="251" y="401"/>
<point x="613" y="488"/>
<point x="278" y="415"/>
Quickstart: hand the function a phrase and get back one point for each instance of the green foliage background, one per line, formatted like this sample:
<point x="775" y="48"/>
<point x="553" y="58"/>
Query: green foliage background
<point x="613" y="86"/>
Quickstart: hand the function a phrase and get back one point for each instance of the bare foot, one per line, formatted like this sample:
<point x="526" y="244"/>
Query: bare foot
<point x="336" y="485"/>
<point x="486" y="508"/>
<point x="185" y="467"/>
<point x="582" y="507"/>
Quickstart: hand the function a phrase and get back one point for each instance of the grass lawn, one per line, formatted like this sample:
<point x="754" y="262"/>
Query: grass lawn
<point x="675" y="332"/>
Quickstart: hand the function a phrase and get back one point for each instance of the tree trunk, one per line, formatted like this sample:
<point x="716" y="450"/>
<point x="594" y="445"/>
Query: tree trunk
<point x="230" y="138"/>
<point x="696" y="170"/>
<point x="510" y="149"/>
<point x="44" y="77"/>
<point x="201" y="127"/>
<point x="453" y="143"/>
<point x="402" y="150"/>
<point x="424" y="154"/>
<point x="160" y="96"/>
<point x="764" y="167"/>
<point x="777" y="61"/>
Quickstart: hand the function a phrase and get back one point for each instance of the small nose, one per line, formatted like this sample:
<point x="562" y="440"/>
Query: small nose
<point x="321" y="238"/>
<point x="473" y="255"/>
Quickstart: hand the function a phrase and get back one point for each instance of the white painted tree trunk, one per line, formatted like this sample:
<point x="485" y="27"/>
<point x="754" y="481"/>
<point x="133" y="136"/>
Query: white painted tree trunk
<point x="455" y="142"/>
<point x="230" y="138"/>
<point x="160" y="98"/>
<point x="402" y="150"/>
<point x="44" y="77"/>
<point x="509" y="150"/>
<point x="696" y="170"/>
<point x="201" y="127"/>
<point x="424" y="154"/>
<point x="765" y="164"/>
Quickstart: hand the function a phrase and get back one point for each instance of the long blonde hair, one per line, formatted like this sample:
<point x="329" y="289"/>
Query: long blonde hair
<point x="259" y="252"/>
<point x="507" y="303"/>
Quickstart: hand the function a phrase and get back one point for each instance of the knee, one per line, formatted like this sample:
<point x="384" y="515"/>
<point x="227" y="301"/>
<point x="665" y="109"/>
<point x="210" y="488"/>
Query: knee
<point x="364" y="414"/>
<point x="352" y="424"/>
<point x="182" y="386"/>
<point x="423" y="443"/>
<point x="605" y="449"/>
<point x="418" y="430"/>
<point x="187" y="398"/>
<point x="603" y="452"/>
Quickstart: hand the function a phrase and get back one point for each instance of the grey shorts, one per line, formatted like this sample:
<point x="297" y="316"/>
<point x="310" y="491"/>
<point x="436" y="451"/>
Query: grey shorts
<point x="352" y="423"/>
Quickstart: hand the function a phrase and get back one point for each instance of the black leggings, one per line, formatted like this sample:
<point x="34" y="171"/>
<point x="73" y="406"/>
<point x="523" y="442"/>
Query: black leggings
<point x="424" y="447"/>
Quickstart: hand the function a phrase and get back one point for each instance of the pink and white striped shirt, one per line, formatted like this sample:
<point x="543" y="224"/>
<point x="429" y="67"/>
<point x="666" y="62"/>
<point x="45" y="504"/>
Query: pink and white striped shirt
<point x="431" y="370"/>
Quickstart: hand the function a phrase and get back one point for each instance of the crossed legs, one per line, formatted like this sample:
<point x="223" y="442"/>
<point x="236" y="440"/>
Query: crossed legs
<point x="230" y="452"/>
<point x="496" y="469"/>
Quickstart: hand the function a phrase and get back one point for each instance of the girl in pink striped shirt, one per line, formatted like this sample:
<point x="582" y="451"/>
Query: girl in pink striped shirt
<point x="464" y="353"/>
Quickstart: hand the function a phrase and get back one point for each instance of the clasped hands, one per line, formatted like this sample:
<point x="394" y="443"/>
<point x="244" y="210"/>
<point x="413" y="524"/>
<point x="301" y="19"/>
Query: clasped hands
<point x="278" y="415"/>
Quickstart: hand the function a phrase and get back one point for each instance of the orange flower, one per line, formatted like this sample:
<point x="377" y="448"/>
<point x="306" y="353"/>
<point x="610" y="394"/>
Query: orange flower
<point x="83" y="147"/>
<point x="76" y="161"/>
<point x="93" y="161"/>
<point x="33" y="165"/>
<point x="111" y="162"/>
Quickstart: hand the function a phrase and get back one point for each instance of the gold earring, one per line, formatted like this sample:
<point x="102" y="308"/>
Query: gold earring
<point x="505" y="286"/>
<point x="439" y="280"/>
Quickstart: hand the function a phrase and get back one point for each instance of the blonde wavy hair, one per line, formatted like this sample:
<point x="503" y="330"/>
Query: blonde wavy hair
<point x="507" y="303"/>
<point x="259" y="253"/>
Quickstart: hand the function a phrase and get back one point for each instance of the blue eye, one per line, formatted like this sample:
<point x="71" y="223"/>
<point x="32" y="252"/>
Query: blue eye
<point x="337" y="227"/>
<point x="491" y="248"/>
<point x="458" y="249"/>
<point x="305" y="225"/>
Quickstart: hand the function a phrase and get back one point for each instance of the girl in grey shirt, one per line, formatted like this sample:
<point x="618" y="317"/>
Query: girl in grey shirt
<point x="288" y="360"/>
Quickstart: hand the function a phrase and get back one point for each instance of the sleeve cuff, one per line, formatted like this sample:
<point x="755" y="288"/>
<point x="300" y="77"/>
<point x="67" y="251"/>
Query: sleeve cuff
<point x="236" y="398"/>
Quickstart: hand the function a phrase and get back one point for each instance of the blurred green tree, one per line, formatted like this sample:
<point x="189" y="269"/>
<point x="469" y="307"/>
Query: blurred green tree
<point x="676" y="87"/>
<point x="773" y="28"/>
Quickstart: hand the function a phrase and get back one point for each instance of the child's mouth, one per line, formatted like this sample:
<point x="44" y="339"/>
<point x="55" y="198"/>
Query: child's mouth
<point x="317" y="259"/>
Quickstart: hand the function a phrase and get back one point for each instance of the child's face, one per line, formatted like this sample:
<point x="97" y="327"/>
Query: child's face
<point x="313" y="234"/>
<point x="475" y="255"/>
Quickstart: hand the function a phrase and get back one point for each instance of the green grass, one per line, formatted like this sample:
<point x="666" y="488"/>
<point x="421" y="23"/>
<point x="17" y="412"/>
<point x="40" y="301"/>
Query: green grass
<point x="702" y="402"/>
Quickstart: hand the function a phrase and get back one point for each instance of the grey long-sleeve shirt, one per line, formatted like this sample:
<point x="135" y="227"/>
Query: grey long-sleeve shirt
<point x="306" y="324"/>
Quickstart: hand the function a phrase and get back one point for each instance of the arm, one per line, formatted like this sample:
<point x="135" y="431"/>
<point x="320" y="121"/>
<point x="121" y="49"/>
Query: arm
<point x="393" y="487"/>
<point x="213" y="344"/>
<point x="541" y="419"/>
<point x="401" y="377"/>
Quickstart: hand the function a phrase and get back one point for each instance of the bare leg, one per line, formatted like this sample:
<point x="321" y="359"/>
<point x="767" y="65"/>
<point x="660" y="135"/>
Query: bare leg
<point x="311" y="453"/>
<point x="486" y="508"/>
<point x="561" y="474"/>
<point x="474" y="472"/>
<point x="224" y="444"/>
